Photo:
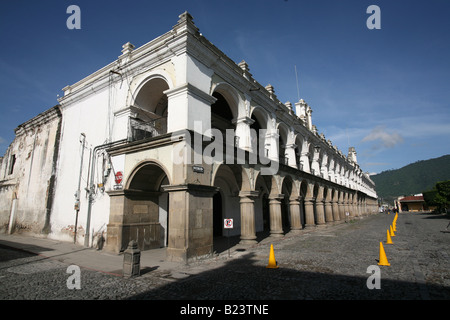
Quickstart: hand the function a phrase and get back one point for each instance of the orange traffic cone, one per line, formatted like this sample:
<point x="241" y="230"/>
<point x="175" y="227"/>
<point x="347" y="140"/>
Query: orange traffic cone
<point x="272" y="262"/>
<point x="392" y="232"/>
<point x="389" y="240"/>
<point x="383" y="259"/>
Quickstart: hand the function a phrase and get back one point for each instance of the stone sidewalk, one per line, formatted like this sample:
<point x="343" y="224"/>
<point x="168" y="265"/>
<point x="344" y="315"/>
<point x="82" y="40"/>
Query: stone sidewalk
<point x="328" y="262"/>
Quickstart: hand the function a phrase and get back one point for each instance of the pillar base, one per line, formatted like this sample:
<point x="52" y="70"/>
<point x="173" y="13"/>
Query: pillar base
<point x="247" y="242"/>
<point x="276" y="235"/>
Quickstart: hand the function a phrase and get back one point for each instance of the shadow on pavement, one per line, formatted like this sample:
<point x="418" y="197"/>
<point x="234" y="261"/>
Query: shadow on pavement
<point x="243" y="279"/>
<point x="25" y="252"/>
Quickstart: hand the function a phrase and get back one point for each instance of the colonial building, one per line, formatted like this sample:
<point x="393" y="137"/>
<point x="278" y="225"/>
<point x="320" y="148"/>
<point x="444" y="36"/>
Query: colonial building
<point x="412" y="203"/>
<point x="28" y="174"/>
<point x="163" y="144"/>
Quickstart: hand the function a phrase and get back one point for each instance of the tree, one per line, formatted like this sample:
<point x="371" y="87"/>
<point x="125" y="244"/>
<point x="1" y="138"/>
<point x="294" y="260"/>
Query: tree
<point x="444" y="190"/>
<point x="439" y="196"/>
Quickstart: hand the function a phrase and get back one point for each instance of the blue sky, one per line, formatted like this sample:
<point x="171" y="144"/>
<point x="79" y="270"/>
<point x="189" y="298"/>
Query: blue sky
<point x="386" y="92"/>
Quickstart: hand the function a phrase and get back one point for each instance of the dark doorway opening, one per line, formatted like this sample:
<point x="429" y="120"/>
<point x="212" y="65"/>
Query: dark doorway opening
<point x="217" y="215"/>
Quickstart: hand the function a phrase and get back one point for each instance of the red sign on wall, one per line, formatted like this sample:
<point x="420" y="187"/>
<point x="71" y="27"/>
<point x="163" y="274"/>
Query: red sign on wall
<point x="118" y="177"/>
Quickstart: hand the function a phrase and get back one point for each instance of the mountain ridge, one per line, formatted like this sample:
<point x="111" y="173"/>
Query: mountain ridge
<point x="412" y="179"/>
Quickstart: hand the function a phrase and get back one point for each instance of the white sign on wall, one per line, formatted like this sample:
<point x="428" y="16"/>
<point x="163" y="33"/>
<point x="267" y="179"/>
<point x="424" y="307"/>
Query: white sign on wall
<point x="228" y="223"/>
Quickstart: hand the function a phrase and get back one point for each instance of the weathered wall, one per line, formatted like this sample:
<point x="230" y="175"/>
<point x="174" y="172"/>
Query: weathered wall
<point x="30" y="180"/>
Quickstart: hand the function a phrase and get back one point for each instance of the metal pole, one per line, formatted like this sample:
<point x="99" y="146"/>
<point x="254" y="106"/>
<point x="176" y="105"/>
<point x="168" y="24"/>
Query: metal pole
<point x="228" y="232"/>
<point x="92" y="186"/>
<point x="77" y="195"/>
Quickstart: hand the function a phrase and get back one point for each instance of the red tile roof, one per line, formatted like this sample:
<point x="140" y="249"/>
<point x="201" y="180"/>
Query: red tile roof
<point x="411" y="198"/>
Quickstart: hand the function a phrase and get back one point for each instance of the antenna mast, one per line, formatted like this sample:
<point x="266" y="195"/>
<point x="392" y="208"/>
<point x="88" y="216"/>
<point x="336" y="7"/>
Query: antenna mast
<point x="296" y="77"/>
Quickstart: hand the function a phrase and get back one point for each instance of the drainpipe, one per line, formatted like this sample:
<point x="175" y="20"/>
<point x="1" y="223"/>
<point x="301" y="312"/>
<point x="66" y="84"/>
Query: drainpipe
<point x="12" y="216"/>
<point x="92" y="187"/>
<point x="78" y="193"/>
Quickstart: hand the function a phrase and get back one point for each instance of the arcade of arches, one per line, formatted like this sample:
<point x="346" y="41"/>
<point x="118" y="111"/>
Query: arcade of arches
<point x="171" y="205"/>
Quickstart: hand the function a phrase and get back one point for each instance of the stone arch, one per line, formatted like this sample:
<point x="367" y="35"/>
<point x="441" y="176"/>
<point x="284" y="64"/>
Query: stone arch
<point x="231" y="96"/>
<point x="262" y="215"/>
<point x="298" y="141"/>
<point x="283" y="131"/>
<point x="225" y="110"/>
<point x="149" y="103"/>
<point x="276" y="183"/>
<point x="149" y="167"/>
<point x="141" y="80"/>
<point x="149" y="94"/>
<point x="314" y="159"/>
<point x="261" y="116"/>
<point x="303" y="190"/>
<point x="290" y="198"/>
<point x="289" y="184"/>
<point x="226" y="200"/>
<point x="139" y="212"/>
<point x="260" y="121"/>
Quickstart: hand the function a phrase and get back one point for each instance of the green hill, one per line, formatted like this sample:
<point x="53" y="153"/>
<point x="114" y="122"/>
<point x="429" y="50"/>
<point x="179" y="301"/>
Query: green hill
<point x="412" y="179"/>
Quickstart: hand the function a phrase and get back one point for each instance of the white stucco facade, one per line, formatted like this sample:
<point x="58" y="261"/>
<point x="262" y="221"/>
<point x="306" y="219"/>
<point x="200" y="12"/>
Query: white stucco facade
<point x="178" y="83"/>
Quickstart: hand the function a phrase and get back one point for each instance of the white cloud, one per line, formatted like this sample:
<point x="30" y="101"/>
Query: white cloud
<point x="383" y="138"/>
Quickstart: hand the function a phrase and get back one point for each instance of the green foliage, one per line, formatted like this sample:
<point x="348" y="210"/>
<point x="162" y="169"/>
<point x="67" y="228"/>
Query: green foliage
<point x="443" y="189"/>
<point x="412" y="179"/>
<point x="439" y="196"/>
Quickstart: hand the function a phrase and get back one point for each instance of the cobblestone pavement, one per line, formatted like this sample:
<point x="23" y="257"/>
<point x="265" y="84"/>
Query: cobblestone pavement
<point x="327" y="262"/>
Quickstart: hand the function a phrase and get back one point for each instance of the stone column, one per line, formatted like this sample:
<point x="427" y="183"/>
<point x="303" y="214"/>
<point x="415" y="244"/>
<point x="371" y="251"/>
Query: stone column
<point x="355" y="205"/>
<point x="276" y="222"/>
<point x="363" y="206"/>
<point x="309" y="212"/>
<point x="114" y="241"/>
<point x="320" y="209"/>
<point x="342" y="206"/>
<point x="328" y="207"/>
<point x="350" y="205"/>
<point x="346" y="206"/>
<point x="248" y="230"/>
<point x="294" y="209"/>
<point x="190" y="222"/>
<point x="335" y="205"/>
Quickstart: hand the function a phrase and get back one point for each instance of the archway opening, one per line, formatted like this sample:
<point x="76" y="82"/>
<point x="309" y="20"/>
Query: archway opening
<point x="287" y="190"/>
<point x="226" y="205"/>
<point x="221" y="114"/>
<point x="303" y="192"/>
<point x="151" y="108"/>
<point x="258" y="129"/>
<point x="146" y="208"/>
<point x="298" y="151"/>
<point x="217" y="214"/>
<point x="316" y="203"/>
<point x="282" y="142"/>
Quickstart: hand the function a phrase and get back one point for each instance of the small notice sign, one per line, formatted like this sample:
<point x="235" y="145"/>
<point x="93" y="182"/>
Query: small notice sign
<point x="118" y="177"/>
<point x="228" y="224"/>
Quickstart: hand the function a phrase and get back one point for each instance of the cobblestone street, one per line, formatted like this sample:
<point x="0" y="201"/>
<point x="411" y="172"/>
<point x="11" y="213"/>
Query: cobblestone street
<point x="327" y="262"/>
